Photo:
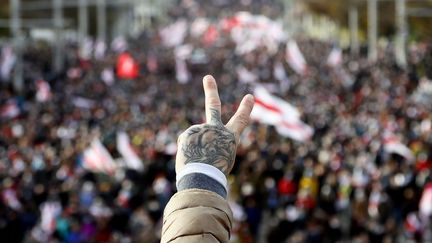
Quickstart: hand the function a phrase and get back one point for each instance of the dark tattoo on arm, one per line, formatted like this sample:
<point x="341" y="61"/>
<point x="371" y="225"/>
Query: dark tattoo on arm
<point x="210" y="144"/>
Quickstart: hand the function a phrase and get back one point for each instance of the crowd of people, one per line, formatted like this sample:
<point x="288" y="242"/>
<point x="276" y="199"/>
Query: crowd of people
<point x="340" y="185"/>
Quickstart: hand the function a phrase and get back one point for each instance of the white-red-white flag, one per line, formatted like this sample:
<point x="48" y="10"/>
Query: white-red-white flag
<point x="335" y="57"/>
<point x="10" y="109"/>
<point x="43" y="91"/>
<point x="392" y="144"/>
<point x="425" y="207"/>
<point x="413" y="223"/>
<point x="124" y="147"/>
<point x="49" y="213"/>
<point x="97" y="158"/>
<point x="272" y="110"/>
<point x="295" y="58"/>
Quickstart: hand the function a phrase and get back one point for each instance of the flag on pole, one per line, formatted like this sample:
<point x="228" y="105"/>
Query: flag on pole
<point x="127" y="67"/>
<point x="412" y="223"/>
<point x="96" y="158"/>
<point x="43" y="91"/>
<point x="295" y="58"/>
<point x="125" y="149"/>
<point x="49" y="213"/>
<point x="335" y="57"/>
<point x="272" y="110"/>
<point x="392" y="144"/>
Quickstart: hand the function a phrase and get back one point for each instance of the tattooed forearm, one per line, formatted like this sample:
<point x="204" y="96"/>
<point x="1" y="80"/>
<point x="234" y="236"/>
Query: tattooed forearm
<point x="210" y="144"/>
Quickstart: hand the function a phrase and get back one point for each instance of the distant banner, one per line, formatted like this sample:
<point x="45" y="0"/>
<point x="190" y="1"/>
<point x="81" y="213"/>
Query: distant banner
<point x="272" y="110"/>
<point x="124" y="147"/>
<point x="97" y="159"/>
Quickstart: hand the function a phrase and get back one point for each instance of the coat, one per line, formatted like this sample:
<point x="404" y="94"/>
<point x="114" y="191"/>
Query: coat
<point x="196" y="215"/>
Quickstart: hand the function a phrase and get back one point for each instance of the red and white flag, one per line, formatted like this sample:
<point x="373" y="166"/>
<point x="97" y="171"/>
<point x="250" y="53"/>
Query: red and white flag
<point x="43" y="92"/>
<point x="295" y="58"/>
<point x="97" y="158"/>
<point x="272" y="110"/>
<point x="425" y="206"/>
<point x="124" y="147"/>
<point x="392" y="144"/>
<point x="413" y="223"/>
<point x="10" y="109"/>
<point x="49" y="213"/>
<point x="335" y="57"/>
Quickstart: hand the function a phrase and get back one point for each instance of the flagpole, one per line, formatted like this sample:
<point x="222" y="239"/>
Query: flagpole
<point x="58" y="25"/>
<point x="82" y="23"/>
<point x="372" y="29"/>
<point x="101" y="20"/>
<point x="15" y="26"/>
<point x="401" y="24"/>
<point x="353" y="25"/>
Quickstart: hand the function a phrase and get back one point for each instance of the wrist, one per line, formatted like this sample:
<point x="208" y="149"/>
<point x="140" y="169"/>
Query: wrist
<point x="202" y="176"/>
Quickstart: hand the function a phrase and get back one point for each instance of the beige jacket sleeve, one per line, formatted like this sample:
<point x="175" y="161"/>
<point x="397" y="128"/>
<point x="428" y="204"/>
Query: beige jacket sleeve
<point x="196" y="215"/>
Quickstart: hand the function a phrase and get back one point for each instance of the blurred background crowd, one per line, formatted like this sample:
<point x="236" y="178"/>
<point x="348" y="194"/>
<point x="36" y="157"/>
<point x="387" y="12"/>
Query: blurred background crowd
<point x="64" y="177"/>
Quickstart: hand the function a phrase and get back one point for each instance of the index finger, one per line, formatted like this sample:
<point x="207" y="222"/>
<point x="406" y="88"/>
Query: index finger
<point x="212" y="101"/>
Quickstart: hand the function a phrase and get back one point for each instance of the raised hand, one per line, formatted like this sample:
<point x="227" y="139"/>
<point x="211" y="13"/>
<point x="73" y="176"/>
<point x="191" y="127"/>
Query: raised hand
<point x="214" y="143"/>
